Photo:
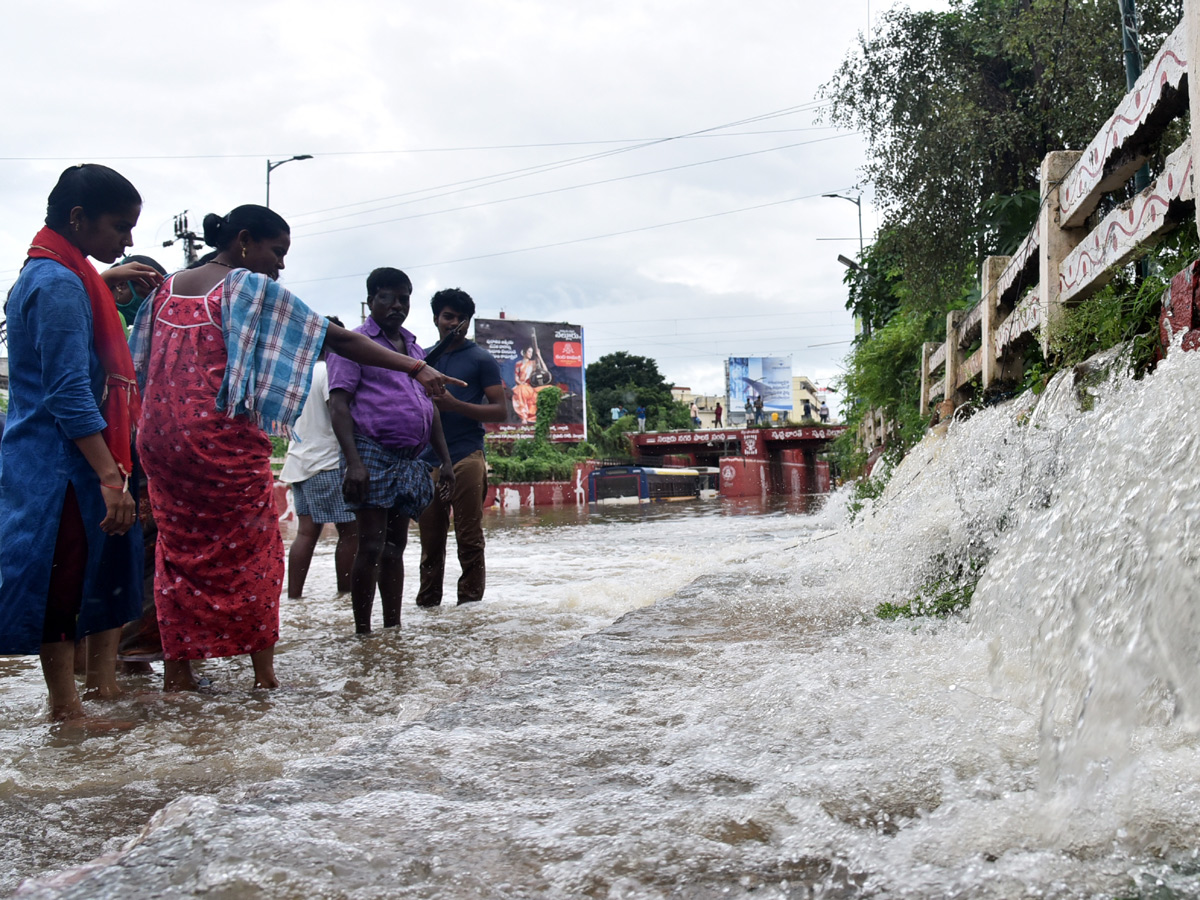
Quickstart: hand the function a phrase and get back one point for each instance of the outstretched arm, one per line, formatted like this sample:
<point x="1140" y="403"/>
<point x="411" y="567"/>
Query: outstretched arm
<point x="364" y="351"/>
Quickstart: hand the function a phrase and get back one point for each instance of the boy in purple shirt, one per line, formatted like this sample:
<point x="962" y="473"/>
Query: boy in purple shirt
<point x="384" y="421"/>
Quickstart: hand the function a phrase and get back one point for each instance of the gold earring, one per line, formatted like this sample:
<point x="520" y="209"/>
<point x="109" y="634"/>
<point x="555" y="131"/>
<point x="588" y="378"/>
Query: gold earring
<point x="243" y="252"/>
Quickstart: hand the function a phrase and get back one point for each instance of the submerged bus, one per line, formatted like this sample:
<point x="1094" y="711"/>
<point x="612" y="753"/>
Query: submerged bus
<point x="649" y="484"/>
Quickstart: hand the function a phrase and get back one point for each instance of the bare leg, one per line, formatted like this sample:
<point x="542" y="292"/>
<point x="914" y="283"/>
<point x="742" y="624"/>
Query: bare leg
<point x="101" y="681"/>
<point x="178" y="676"/>
<point x="391" y="570"/>
<point x="58" y="668"/>
<point x="264" y="668"/>
<point x="300" y="555"/>
<point x="372" y="525"/>
<point x="343" y="556"/>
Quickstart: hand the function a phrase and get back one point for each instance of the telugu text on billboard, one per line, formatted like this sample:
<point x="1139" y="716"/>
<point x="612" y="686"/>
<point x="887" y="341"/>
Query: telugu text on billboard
<point x="769" y="377"/>
<point x="532" y="357"/>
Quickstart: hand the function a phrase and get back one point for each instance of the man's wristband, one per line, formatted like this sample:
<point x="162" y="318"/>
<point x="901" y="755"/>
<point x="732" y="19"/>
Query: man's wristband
<point x="412" y="373"/>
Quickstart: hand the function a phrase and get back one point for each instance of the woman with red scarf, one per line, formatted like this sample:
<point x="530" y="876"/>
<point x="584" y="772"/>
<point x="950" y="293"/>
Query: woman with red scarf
<point x="70" y="547"/>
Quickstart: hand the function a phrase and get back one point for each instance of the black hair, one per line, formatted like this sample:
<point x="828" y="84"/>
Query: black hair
<point x="144" y="260"/>
<point x="204" y="260"/>
<point x="262" y="223"/>
<point x="336" y="321"/>
<point x="387" y="277"/>
<point x="455" y="298"/>
<point x="96" y="188"/>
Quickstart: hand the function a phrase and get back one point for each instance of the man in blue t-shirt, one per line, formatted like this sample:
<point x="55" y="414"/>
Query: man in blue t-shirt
<point x="463" y="411"/>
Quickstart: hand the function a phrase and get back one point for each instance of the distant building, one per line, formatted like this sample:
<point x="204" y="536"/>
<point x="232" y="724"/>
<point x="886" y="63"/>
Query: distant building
<point x="804" y="389"/>
<point x="706" y="403"/>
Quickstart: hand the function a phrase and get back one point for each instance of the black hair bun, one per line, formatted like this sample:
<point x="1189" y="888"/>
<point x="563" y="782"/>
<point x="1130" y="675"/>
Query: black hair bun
<point x="213" y="226"/>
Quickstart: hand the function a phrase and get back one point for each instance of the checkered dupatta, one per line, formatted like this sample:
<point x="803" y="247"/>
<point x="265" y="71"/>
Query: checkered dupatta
<point x="272" y="341"/>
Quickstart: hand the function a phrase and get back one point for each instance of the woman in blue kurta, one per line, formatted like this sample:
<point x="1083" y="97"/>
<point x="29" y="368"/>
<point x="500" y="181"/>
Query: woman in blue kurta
<point x="70" y="547"/>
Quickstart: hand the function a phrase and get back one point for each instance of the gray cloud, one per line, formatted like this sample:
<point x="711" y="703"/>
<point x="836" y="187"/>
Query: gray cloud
<point x="234" y="84"/>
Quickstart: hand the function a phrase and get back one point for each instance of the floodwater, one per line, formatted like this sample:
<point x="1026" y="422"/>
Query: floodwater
<point x="699" y="701"/>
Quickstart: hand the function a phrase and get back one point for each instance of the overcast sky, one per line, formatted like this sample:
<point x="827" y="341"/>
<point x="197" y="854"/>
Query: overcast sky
<point x="514" y="148"/>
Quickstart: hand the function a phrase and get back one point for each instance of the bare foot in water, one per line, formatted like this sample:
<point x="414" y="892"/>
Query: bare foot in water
<point x="95" y="725"/>
<point x="264" y="669"/>
<point x="74" y="717"/>
<point x="103" y="692"/>
<point x="178" y="676"/>
<point x="68" y="711"/>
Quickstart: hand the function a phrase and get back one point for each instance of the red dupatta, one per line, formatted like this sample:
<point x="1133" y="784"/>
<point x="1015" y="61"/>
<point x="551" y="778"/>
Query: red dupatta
<point x="120" y="404"/>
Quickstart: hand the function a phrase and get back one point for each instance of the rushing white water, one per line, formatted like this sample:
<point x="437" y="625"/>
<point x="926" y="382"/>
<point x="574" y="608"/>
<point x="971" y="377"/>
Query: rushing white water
<point x="683" y="702"/>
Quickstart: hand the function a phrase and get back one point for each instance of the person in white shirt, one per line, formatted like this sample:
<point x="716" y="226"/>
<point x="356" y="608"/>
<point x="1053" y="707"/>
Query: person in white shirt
<point x="314" y="469"/>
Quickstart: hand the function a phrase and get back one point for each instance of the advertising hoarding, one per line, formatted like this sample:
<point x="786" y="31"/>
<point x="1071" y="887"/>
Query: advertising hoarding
<point x="769" y="377"/>
<point x="533" y="356"/>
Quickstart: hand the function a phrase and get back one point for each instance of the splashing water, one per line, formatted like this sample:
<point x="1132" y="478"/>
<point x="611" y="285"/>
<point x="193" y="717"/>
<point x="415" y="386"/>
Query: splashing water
<point x="685" y="703"/>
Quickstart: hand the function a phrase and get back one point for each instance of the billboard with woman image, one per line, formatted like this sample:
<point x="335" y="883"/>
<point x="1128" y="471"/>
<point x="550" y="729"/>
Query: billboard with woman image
<point x="532" y="357"/>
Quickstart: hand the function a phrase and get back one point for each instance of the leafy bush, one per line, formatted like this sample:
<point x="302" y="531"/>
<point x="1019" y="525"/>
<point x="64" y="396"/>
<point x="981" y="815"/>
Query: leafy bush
<point x="948" y="592"/>
<point x="612" y="441"/>
<point x="537" y="459"/>
<point x="548" y="399"/>
<point x="866" y="489"/>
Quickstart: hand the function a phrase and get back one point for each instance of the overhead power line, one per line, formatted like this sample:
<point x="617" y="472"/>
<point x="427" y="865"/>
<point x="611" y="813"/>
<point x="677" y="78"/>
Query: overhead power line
<point x="559" y="190"/>
<point x="421" y="150"/>
<point x="510" y="175"/>
<point x="594" y="237"/>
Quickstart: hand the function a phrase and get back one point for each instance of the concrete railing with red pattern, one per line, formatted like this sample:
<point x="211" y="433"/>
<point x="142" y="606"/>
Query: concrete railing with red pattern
<point x="1071" y="252"/>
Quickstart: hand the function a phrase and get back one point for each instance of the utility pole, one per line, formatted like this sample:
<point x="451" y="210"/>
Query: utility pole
<point x="190" y="239"/>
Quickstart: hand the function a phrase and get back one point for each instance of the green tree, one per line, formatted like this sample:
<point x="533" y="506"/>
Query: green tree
<point x="624" y="379"/>
<point x="960" y="107"/>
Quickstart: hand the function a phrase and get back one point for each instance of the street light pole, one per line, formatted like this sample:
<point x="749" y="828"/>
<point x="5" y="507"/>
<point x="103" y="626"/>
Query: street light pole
<point x="276" y="165"/>
<point x="857" y="201"/>
<point x="861" y="325"/>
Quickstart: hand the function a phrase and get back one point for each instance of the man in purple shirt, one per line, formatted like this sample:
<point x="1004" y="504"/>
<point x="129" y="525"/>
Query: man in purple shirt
<point x="383" y="422"/>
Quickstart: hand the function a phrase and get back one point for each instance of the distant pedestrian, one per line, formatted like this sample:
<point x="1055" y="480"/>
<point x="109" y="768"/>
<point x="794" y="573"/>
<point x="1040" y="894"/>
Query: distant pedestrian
<point x="641" y="417"/>
<point x="717" y="413"/>
<point x="695" y="411"/>
<point x="807" y="409"/>
<point x="824" y="412"/>
<point x="758" y="410"/>
<point x="616" y="413"/>
<point x="749" y="410"/>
